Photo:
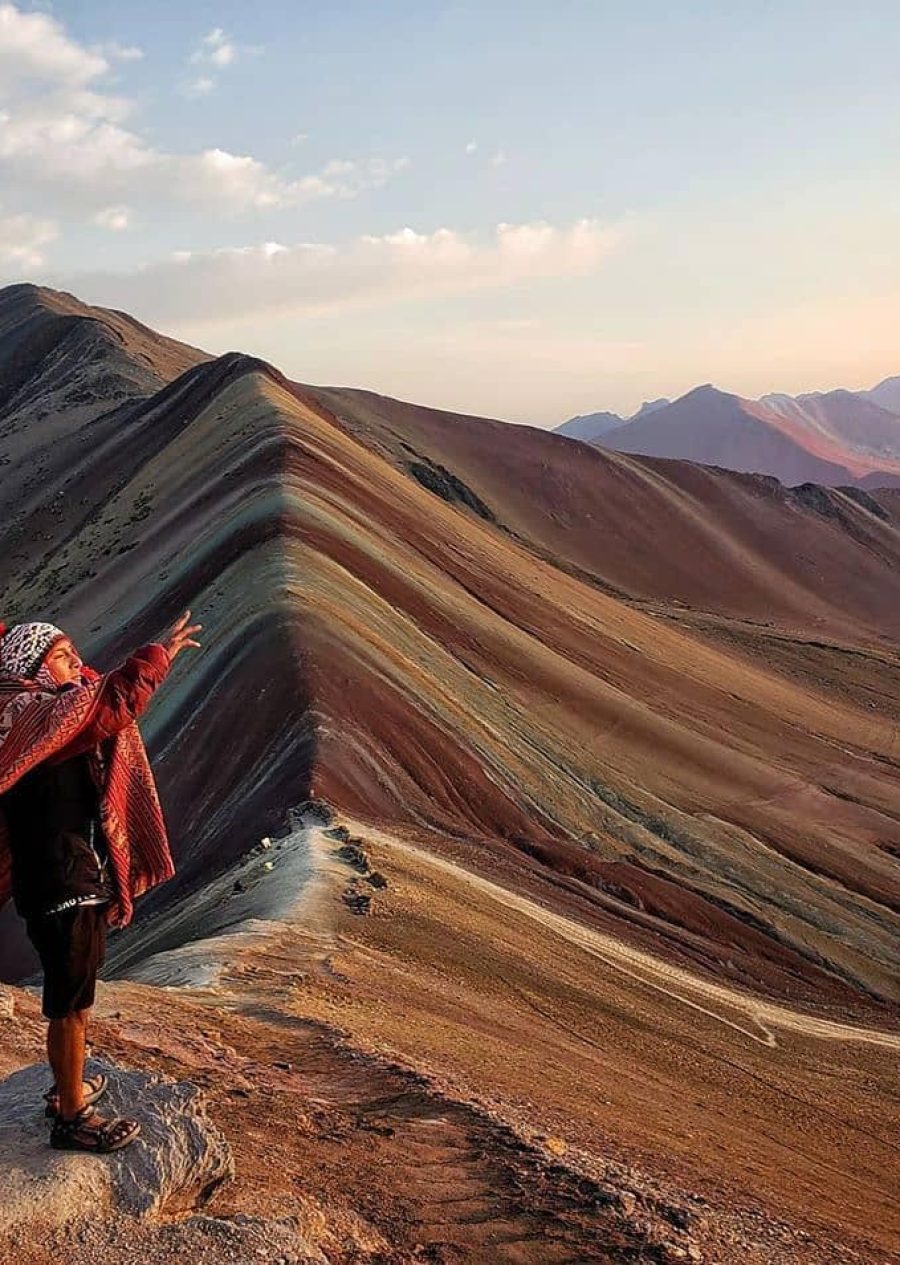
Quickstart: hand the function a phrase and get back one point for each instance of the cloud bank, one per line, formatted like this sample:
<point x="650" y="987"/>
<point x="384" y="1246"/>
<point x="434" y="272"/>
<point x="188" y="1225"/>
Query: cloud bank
<point x="309" y="278"/>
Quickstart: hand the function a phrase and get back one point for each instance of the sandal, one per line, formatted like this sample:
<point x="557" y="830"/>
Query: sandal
<point x="89" y="1132"/>
<point x="98" y="1086"/>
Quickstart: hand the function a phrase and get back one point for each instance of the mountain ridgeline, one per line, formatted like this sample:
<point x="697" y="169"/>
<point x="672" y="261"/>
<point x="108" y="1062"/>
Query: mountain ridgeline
<point x="834" y="438"/>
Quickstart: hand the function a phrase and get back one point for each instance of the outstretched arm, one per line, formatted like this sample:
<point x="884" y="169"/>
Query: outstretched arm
<point x="124" y="695"/>
<point x="127" y="689"/>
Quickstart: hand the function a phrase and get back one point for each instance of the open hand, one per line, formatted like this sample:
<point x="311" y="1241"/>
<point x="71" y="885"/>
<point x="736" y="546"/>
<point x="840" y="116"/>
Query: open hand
<point x="180" y="636"/>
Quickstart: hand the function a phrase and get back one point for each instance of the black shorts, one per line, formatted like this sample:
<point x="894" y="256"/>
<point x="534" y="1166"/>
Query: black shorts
<point x="71" y="945"/>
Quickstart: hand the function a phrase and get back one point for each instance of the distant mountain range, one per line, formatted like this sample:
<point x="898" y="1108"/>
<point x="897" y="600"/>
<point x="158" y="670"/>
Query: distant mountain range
<point x="834" y="438"/>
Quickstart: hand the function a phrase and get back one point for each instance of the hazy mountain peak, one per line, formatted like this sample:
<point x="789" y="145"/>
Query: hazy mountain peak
<point x="707" y="391"/>
<point x="589" y="426"/>
<point x="886" y="394"/>
<point x="650" y="406"/>
<point x="834" y="438"/>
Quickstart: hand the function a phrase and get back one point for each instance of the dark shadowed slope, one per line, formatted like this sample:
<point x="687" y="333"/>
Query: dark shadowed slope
<point x="175" y="499"/>
<point x="70" y="378"/>
<point x="62" y="361"/>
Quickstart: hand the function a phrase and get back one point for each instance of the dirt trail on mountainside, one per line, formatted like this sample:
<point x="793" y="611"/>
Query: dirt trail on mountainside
<point x="655" y="973"/>
<point x="377" y="1166"/>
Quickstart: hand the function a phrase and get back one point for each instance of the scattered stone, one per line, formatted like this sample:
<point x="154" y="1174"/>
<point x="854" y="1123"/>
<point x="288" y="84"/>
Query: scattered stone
<point x="377" y="879"/>
<point x="331" y="969"/>
<point x="359" y="902"/>
<point x="268" y="865"/>
<point x="312" y="811"/>
<point x="628" y="1204"/>
<point x="238" y="886"/>
<point x="353" y="854"/>
<point x="688" y="1252"/>
<point x="338" y="832"/>
<point x="680" y="1218"/>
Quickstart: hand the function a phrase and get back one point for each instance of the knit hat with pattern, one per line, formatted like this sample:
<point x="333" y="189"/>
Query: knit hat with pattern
<point x="23" y="646"/>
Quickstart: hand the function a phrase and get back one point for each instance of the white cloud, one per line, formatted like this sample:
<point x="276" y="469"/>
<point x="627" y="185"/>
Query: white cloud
<point x="63" y="134"/>
<point x="115" y="218"/>
<point x="22" y="238"/>
<point x="215" y="49"/>
<point x="34" y="47"/>
<point x="120" y="52"/>
<point x="202" y="86"/>
<point x="215" y="53"/>
<point x="498" y="159"/>
<point x="472" y="147"/>
<point x="337" y="167"/>
<point x="222" y="56"/>
<point x="348" y="179"/>
<point x="241" y="182"/>
<point x="370" y="271"/>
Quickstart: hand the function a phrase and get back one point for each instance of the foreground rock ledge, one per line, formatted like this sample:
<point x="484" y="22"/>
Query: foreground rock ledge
<point x="177" y="1161"/>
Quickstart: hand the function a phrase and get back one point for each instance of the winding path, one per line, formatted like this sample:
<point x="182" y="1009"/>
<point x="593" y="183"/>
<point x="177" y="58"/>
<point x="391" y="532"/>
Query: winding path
<point x="758" y="1019"/>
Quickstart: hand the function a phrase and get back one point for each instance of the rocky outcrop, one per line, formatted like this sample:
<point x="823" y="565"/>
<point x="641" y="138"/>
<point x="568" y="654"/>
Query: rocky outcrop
<point x="352" y="853"/>
<point x="177" y="1162"/>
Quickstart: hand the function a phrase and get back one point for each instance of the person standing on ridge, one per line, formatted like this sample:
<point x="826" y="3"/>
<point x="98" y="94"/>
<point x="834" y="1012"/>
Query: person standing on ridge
<point x="82" y="835"/>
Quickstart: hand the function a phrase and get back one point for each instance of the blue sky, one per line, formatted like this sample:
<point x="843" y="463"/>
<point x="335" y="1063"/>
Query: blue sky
<point x="523" y="210"/>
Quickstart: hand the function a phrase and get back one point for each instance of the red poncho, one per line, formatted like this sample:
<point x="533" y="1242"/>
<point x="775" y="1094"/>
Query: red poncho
<point x="37" y="724"/>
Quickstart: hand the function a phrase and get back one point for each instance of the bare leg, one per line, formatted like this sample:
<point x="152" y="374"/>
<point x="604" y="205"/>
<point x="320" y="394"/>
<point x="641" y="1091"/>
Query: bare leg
<point x="65" y="1050"/>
